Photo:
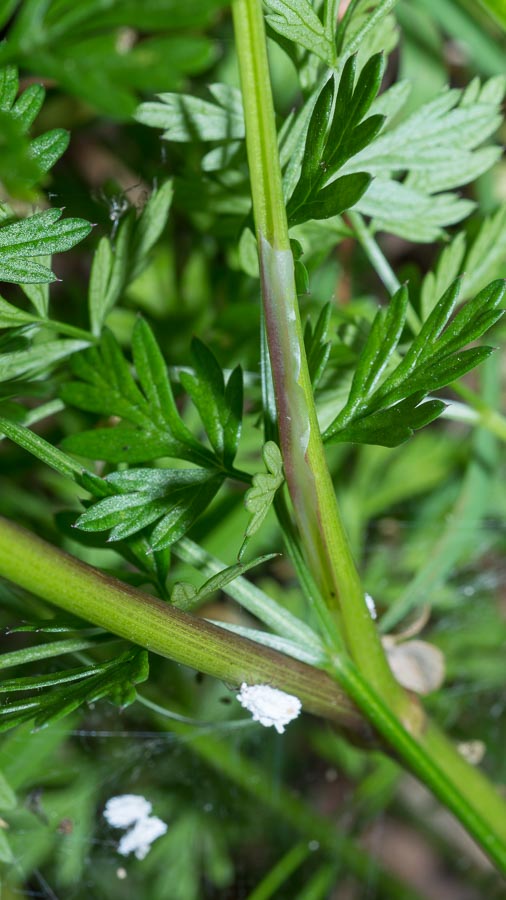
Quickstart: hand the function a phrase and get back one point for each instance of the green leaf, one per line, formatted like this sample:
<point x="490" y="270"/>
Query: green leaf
<point x="7" y="796"/>
<point x="100" y="276"/>
<point x="24" y="162"/>
<point x="28" y="105"/>
<point x="386" y="410"/>
<point x="367" y="27"/>
<point x="177" y="522"/>
<point x="40" y="448"/>
<point x="47" y="148"/>
<point x="11" y="316"/>
<point x="90" y="16"/>
<point x="114" y="269"/>
<point x="337" y="132"/>
<point x="487" y="253"/>
<point x="260" y="496"/>
<point x="187" y="118"/>
<point x="335" y="198"/>
<point x="412" y="214"/>
<point x="150" y="225"/>
<point x="35" y="236"/>
<point x="121" y="443"/>
<point x="448" y="268"/>
<point x="58" y="695"/>
<point x="107" y="66"/>
<point x="435" y="149"/>
<point x="9" y="84"/>
<point x="172" y="497"/>
<point x="297" y="21"/>
<point x="151" y="425"/>
<point x="37" y="358"/>
<point x="317" y="345"/>
<point x="391" y="427"/>
<point x="219" y="405"/>
<point x="6" y="854"/>
<point x="154" y="381"/>
<point x="38" y="294"/>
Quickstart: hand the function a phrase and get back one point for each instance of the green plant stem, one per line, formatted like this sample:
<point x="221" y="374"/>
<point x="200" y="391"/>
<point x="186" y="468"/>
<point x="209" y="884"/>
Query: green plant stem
<point x="380" y="263"/>
<point x="487" y="416"/>
<point x="432" y="757"/>
<point x="311" y="490"/>
<point x="70" y="584"/>
<point x="281" y="872"/>
<point x="69" y="330"/>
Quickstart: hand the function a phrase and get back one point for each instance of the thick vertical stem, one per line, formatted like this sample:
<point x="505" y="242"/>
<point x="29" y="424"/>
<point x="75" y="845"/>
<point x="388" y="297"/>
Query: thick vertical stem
<point x="317" y="515"/>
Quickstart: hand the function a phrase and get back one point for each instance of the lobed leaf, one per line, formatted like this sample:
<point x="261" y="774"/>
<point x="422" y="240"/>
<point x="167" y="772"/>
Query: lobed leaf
<point x="297" y="21"/>
<point x="336" y="132"/>
<point x="38" y="235"/>
<point x="172" y="497"/>
<point x="154" y="381"/>
<point x="219" y="405"/>
<point x="434" y="150"/>
<point x="174" y="525"/>
<point x="23" y="162"/>
<point x="260" y="496"/>
<point x="386" y="410"/>
<point x="59" y="694"/>
<point x="152" y="426"/>
<point x="187" y="118"/>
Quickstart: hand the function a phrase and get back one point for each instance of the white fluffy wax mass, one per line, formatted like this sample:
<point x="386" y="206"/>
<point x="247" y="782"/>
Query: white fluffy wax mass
<point x="139" y="839"/>
<point x="126" y="809"/>
<point x="269" y="706"/>
<point x="134" y="810"/>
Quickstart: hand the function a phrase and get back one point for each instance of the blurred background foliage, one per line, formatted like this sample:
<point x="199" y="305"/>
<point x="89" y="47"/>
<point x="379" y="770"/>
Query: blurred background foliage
<point x="250" y="814"/>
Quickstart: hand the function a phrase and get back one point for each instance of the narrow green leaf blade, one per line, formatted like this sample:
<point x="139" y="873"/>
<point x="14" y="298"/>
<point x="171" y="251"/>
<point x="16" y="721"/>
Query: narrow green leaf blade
<point x="100" y="276"/>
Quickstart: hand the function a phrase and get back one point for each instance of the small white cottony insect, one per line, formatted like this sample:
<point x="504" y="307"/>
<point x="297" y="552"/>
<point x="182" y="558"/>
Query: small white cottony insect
<point x="269" y="706"/>
<point x="126" y="809"/>
<point x="371" y="606"/>
<point x="134" y="810"/>
<point x="139" y="839"/>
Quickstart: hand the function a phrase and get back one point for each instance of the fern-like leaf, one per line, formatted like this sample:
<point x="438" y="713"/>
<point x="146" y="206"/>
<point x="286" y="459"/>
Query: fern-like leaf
<point x="386" y="401"/>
